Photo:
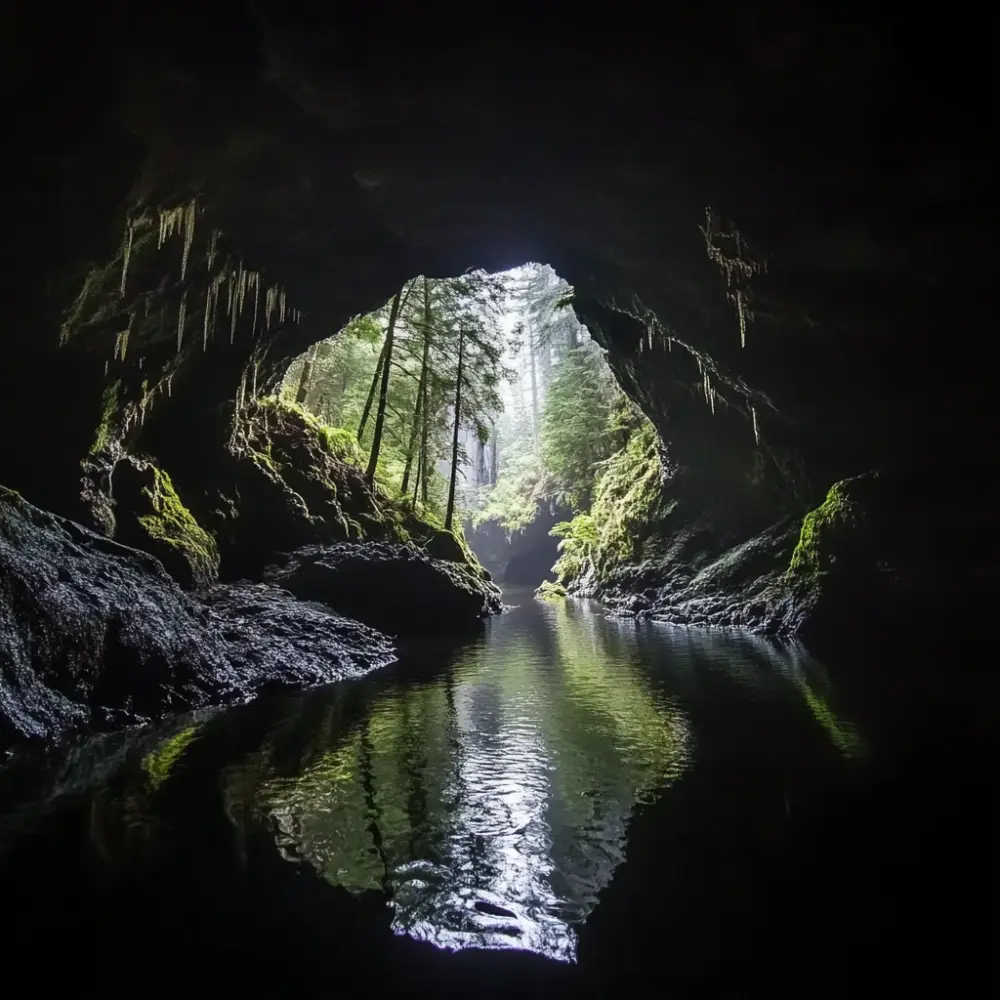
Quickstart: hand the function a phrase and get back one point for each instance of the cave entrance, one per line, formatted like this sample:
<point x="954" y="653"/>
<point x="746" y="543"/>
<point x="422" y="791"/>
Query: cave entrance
<point x="483" y="403"/>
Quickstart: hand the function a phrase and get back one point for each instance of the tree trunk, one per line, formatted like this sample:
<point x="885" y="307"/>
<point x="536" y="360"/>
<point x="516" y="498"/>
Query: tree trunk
<point x="383" y="391"/>
<point x="425" y="441"/>
<point x="421" y="392"/>
<point x="534" y="389"/>
<point x="494" y="458"/>
<point x="376" y="378"/>
<point x="306" y="377"/>
<point x="480" y="461"/>
<point x="450" y="511"/>
<point x="545" y="364"/>
<point x="417" y="482"/>
<point x="318" y="385"/>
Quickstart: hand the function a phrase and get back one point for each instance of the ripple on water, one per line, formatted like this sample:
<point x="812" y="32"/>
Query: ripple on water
<point x="490" y="803"/>
<point x="486" y="792"/>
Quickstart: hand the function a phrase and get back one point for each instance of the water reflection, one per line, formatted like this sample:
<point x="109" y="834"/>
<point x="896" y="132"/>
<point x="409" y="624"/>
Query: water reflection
<point x="489" y="803"/>
<point x="484" y="792"/>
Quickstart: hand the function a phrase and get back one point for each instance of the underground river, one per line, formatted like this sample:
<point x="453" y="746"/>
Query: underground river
<point x="599" y="803"/>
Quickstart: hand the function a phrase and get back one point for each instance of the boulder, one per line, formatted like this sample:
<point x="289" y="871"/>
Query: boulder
<point x="397" y="588"/>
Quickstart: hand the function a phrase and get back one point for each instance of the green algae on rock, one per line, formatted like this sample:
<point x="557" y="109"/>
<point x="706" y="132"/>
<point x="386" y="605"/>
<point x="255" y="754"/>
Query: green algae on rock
<point x="152" y="517"/>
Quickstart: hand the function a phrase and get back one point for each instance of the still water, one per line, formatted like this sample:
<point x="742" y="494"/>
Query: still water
<point x="533" y="790"/>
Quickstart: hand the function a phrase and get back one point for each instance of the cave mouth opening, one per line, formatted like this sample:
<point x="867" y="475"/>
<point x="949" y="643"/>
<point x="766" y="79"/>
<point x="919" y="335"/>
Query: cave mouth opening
<point x="483" y="404"/>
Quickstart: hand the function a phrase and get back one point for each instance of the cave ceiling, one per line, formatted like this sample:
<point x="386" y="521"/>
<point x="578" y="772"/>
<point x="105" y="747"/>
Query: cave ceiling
<point x="343" y="150"/>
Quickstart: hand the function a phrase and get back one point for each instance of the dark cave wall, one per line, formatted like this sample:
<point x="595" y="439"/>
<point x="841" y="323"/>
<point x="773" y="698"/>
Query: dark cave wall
<point x="337" y="169"/>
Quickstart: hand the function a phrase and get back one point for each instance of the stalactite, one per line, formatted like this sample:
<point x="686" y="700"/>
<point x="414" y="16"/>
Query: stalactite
<point x="141" y="362"/>
<point x="670" y="344"/>
<point x="741" y="309"/>
<point x="170" y="385"/>
<point x="189" y="216"/>
<point x="211" y="302"/>
<point x="281" y="306"/>
<point x="242" y="286"/>
<point x="127" y="256"/>
<point x="711" y="399"/>
<point x="181" y="317"/>
<point x="756" y="431"/>
<point x="253" y="390"/>
<point x="170" y="220"/>
<point x="726" y="248"/>
<point x="105" y="366"/>
<point x="121" y="340"/>
<point x="213" y="247"/>
<point x="234" y="298"/>
<point x="256" y="302"/>
<point x="270" y="299"/>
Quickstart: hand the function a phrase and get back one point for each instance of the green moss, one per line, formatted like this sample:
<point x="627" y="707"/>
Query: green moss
<point x="159" y="763"/>
<point x="320" y="470"/>
<point x="628" y="505"/>
<point x="549" y="591"/>
<point x="109" y="406"/>
<point x="829" y="533"/>
<point x="11" y="496"/>
<point x="336" y="441"/>
<point x="171" y="523"/>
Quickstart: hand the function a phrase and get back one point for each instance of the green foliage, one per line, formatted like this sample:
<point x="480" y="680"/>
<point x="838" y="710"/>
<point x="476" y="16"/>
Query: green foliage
<point x="627" y="497"/>
<point x="109" y="405"/>
<point x="172" y="524"/>
<point x="577" y="425"/>
<point x="318" y="472"/>
<point x="519" y="492"/>
<point x="338" y="382"/>
<point x="628" y="504"/>
<point x="579" y="540"/>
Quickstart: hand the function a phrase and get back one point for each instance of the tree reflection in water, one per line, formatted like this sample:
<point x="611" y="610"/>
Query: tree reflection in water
<point x="490" y="801"/>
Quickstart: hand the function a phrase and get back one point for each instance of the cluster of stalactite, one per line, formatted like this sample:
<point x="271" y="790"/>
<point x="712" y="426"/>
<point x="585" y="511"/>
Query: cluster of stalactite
<point x="229" y="290"/>
<point x="728" y="250"/>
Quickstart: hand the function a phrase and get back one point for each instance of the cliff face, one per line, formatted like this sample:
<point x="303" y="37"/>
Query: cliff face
<point x="195" y="205"/>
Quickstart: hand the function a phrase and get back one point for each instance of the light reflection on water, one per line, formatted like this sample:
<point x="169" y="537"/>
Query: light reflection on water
<point x="490" y="803"/>
<point x="484" y="791"/>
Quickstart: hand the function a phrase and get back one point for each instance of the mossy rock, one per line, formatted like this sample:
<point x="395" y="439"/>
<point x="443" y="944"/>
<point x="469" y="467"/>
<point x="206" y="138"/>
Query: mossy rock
<point x="550" y="591"/>
<point x="836" y="539"/>
<point x="151" y="517"/>
<point x="301" y="483"/>
<point x="446" y="545"/>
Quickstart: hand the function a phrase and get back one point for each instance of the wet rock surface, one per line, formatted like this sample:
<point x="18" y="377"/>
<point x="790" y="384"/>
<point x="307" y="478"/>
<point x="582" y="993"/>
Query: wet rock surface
<point x="858" y="556"/>
<point x="392" y="587"/>
<point x="93" y="633"/>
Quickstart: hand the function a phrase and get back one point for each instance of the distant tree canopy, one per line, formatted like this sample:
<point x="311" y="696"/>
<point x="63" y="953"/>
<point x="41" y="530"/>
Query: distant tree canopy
<point x="477" y="397"/>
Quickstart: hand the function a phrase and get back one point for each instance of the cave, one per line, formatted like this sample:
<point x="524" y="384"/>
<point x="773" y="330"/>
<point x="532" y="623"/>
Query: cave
<point x="773" y="226"/>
